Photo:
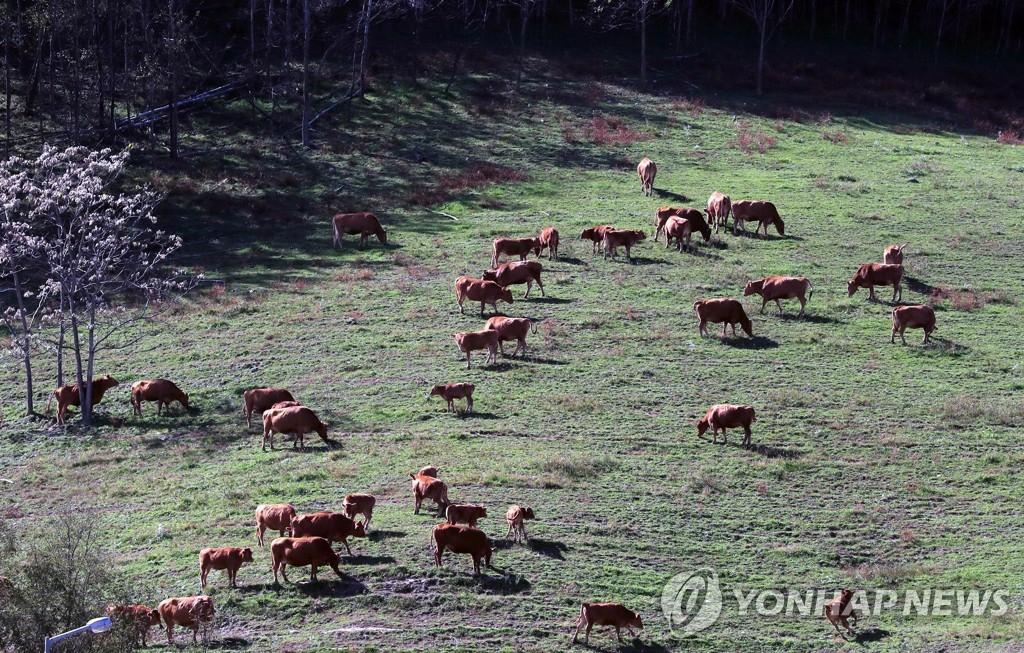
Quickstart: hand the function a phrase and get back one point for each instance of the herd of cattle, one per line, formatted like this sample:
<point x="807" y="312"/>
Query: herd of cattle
<point x="309" y="538"/>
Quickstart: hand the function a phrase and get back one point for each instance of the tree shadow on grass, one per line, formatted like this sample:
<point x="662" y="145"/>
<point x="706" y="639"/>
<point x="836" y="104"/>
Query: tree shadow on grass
<point x="671" y="196"/>
<point x="335" y="588"/>
<point x="229" y="644"/>
<point x="571" y="260"/>
<point x="548" y="548"/>
<point x="479" y="415"/>
<point x="551" y="300"/>
<point x="918" y="286"/>
<point x="806" y="317"/>
<point x="776" y="452"/>
<point x="504" y="584"/>
<point x="377" y="536"/>
<point x="757" y="342"/>
<point x="603" y="639"/>
<point x="363" y="559"/>
<point x="644" y="260"/>
<point x="546" y="361"/>
<point x="872" y="635"/>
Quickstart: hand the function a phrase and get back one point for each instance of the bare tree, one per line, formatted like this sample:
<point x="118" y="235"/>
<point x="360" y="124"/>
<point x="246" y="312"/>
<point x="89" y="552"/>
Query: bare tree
<point x="768" y="15"/>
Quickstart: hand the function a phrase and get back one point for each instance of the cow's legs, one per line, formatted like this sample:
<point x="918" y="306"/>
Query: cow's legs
<point x="871" y="293"/>
<point x="501" y="347"/>
<point x="618" y="633"/>
<point x="469" y="404"/>
<point x="902" y="336"/>
<point x="419" y="501"/>
<point x="467" y="359"/>
<point x="529" y="286"/>
<point x="541" y="286"/>
<point x="725" y="325"/>
<point x="803" y="304"/>
<point x="312" y="573"/>
<point x="482" y="309"/>
<point x="927" y="337"/>
<point x="170" y="632"/>
<point x="764" y="302"/>
<point x="746" y="435"/>
<point x="897" y="288"/>
<point x="779" y="304"/>
<point x="511" y="526"/>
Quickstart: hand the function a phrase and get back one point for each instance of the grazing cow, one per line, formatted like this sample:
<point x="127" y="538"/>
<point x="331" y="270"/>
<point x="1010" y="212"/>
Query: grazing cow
<point x="275" y="516"/>
<point x="298" y="420"/>
<point x="452" y="391"/>
<point x="912" y="317"/>
<point x="429" y="487"/>
<point x="509" y="329"/>
<point x="607" y="614"/>
<point x="162" y="391"/>
<point x="758" y="211"/>
<point x="471" y="341"/>
<point x="661" y="216"/>
<point x="285" y="404"/>
<point x="870" y="275"/>
<point x="838" y="611"/>
<point x="462" y="539"/>
<point x="429" y="470"/>
<point x="509" y="274"/>
<point x="515" y="517"/>
<point x="67" y="395"/>
<point x="776" y="288"/>
<point x="679" y="229"/>
<point x="510" y="247"/>
<point x="332" y="526"/>
<point x="549" y="241"/>
<point x="615" y="238"/>
<point x="727" y="311"/>
<point x="727" y="416"/>
<point x="258" y="400"/>
<point x="646" y="170"/>
<point x="141" y="618"/>
<point x="596" y="234"/>
<point x="465" y="513"/>
<point x="719" y="207"/>
<point x="360" y="504"/>
<point x="187" y="612"/>
<point x="696" y="218"/>
<point x="301" y="552"/>
<point x="364" y="224"/>
<point x="230" y="558"/>
<point x="478" y="290"/>
<point x="894" y="254"/>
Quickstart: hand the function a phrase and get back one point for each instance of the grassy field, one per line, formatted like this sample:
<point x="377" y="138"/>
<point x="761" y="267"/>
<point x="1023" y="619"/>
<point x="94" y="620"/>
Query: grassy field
<point x="875" y="465"/>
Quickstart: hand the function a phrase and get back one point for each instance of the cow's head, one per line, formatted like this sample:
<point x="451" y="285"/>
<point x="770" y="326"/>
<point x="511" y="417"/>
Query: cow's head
<point x="780" y="225"/>
<point x="184" y="400"/>
<point x="506" y="295"/>
<point x="702" y="426"/>
<point x="483" y="511"/>
<point x="640" y="235"/>
<point x="528" y="513"/>
<point x="360" y="530"/>
<point x="490" y="275"/>
<point x="436" y="391"/>
<point x="153" y="617"/>
<point x="636" y="621"/>
<point x="203" y="608"/>
<point x="382" y="236"/>
<point x="536" y="246"/>
<point x="296" y="527"/>
<point x="747" y="326"/>
<point x="246" y="555"/>
<point x="851" y="287"/>
<point x="705" y="232"/>
<point x="753" y="287"/>
<point x="108" y="381"/>
<point x="587" y="234"/>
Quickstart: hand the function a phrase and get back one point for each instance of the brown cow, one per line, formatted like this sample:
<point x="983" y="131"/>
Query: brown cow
<point x="510" y="247"/>
<point x="681" y="230"/>
<point x="461" y="539"/>
<point x="696" y="218"/>
<point x="661" y="216"/>
<point x="615" y="238"/>
<point x="332" y="526"/>
<point x="471" y="341"/>
<point x="429" y="487"/>
<point x="509" y="274"/>
<point x="607" y="614"/>
<point x="230" y="558"/>
<point x="452" y="391"/>
<point x="839" y="611"/>
<point x="646" y="170"/>
<point x="478" y="290"/>
<point x="162" y="391"/>
<point x="776" y="288"/>
<point x="141" y="618"/>
<point x="595" y="234"/>
<point x="364" y="224"/>
<point x="727" y="311"/>
<point x="727" y="416"/>
<point x="760" y="211"/>
<point x="509" y="329"/>
<point x="549" y="241"/>
<point x="894" y="254"/>
<point x="258" y="400"/>
<point x="515" y="517"/>
<point x="719" y="207"/>
<point x="870" y="275"/>
<point x="285" y="404"/>
<point x="912" y="317"/>
<point x="429" y="470"/>
<point x="67" y="395"/>
<point x="275" y="516"/>
<point x="465" y="513"/>
<point x="360" y="504"/>
<point x="188" y="612"/>
<point x="292" y="419"/>
<point x="301" y="552"/>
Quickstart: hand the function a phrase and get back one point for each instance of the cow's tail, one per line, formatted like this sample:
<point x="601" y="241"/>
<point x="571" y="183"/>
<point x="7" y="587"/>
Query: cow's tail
<point x="695" y="304"/>
<point x="810" y="291"/>
<point x="49" y="401"/>
<point x="533" y="326"/>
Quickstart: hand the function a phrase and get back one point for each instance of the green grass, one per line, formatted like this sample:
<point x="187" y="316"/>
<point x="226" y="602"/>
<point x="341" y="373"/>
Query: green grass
<point x="876" y="465"/>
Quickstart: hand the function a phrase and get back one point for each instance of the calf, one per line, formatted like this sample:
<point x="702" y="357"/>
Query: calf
<point x="696" y="218"/>
<point x="679" y="229"/>
<point x="615" y="238"/>
<point x="726" y="416"/>
<point x="894" y="254"/>
<point x="509" y="274"/>
<point x="776" y="288"/>
<point x="870" y="275"/>
<point x="478" y="290"/>
<point x="596" y="234"/>
<point x="515" y="518"/>
<point x="646" y="170"/>
<point x="292" y="419"/>
<point x="510" y="247"/>
<point x="549" y="241"/>
<point x="362" y="224"/>
<point x="719" y="207"/>
<point x="465" y="513"/>
<point x="838" y="611"/>
<point x="275" y="516"/>
<point x="258" y="400"/>
<point x="461" y="539"/>
<point x="429" y="470"/>
<point x="471" y="341"/>
<point x="67" y="395"/>
<point x="162" y="391"/>
<point x="140" y="617"/>
<point x="452" y="391"/>
<point x="764" y="213"/>
<point x="332" y="526"/>
<point x="230" y="558"/>
<point x="912" y="317"/>
<point x="607" y="614"/>
<point x="302" y="552"/>
<point x="429" y="487"/>
<point x="360" y="504"/>
<point x="727" y="311"/>
<point x="188" y="612"/>
<point x="509" y="329"/>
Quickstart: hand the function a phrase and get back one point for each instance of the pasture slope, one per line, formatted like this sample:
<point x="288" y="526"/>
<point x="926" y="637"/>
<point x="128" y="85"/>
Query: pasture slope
<point x="876" y="465"/>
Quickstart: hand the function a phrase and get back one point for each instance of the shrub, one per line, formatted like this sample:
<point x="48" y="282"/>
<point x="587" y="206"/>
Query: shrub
<point x="835" y="137"/>
<point x="612" y="131"/>
<point x="748" y="142"/>
<point x="1010" y="137"/>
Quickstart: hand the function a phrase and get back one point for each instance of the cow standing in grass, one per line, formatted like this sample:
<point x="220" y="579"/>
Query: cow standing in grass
<point x="728" y="312"/>
<point x="452" y="391"/>
<point x="549" y="241"/>
<point x="912" y="317"/>
<point x="719" y="207"/>
<point x="607" y="614"/>
<point x="870" y="275"/>
<point x="596" y="234"/>
<point x="362" y="224"/>
<point x="647" y="171"/>
<point x="893" y="254"/>
<point x="776" y="288"/>
<point x="760" y="211"/>
<point x="726" y="416"/>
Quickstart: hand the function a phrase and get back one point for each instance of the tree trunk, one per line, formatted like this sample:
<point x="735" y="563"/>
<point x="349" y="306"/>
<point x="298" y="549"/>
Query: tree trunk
<point x="26" y="338"/>
<point x="91" y="366"/>
<point x="172" y="67"/>
<point x="689" y="20"/>
<point x="760" y="58"/>
<point x="7" y="88"/>
<point x="365" y="55"/>
<point x="941" y="28"/>
<point x="524" y="10"/>
<point x="814" y="18"/>
<point x="79" y="372"/>
<point x="306" y="27"/>
<point x="643" y="43"/>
